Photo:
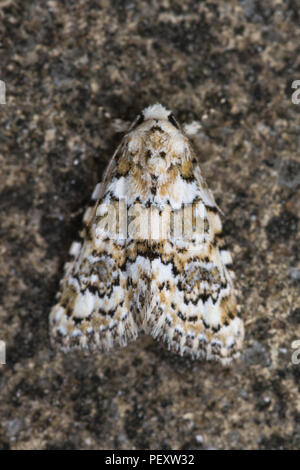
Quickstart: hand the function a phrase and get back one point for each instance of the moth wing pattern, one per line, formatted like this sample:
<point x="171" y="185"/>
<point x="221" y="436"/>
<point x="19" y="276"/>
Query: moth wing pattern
<point x="177" y="287"/>
<point x="93" y="309"/>
<point x="193" y="299"/>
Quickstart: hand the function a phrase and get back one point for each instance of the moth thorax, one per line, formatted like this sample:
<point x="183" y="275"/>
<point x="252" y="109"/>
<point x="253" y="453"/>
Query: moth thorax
<point x="158" y="139"/>
<point x="156" y="161"/>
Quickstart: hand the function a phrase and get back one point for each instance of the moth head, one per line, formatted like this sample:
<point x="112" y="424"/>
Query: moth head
<point x="156" y="135"/>
<point x="155" y="115"/>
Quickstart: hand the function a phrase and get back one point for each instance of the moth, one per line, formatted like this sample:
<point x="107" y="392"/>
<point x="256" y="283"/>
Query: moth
<point x="151" y="258"/>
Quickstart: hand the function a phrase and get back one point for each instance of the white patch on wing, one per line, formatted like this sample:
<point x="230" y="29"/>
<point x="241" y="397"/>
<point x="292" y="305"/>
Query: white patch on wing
<point x="84" y="304"/>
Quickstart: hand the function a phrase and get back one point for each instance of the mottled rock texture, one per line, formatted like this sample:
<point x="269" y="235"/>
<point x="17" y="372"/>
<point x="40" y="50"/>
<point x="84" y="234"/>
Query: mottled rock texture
<point x="71" y="68"/>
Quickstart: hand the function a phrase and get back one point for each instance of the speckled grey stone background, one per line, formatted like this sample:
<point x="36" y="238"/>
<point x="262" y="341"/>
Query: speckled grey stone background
<point x="71" y="68"/>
